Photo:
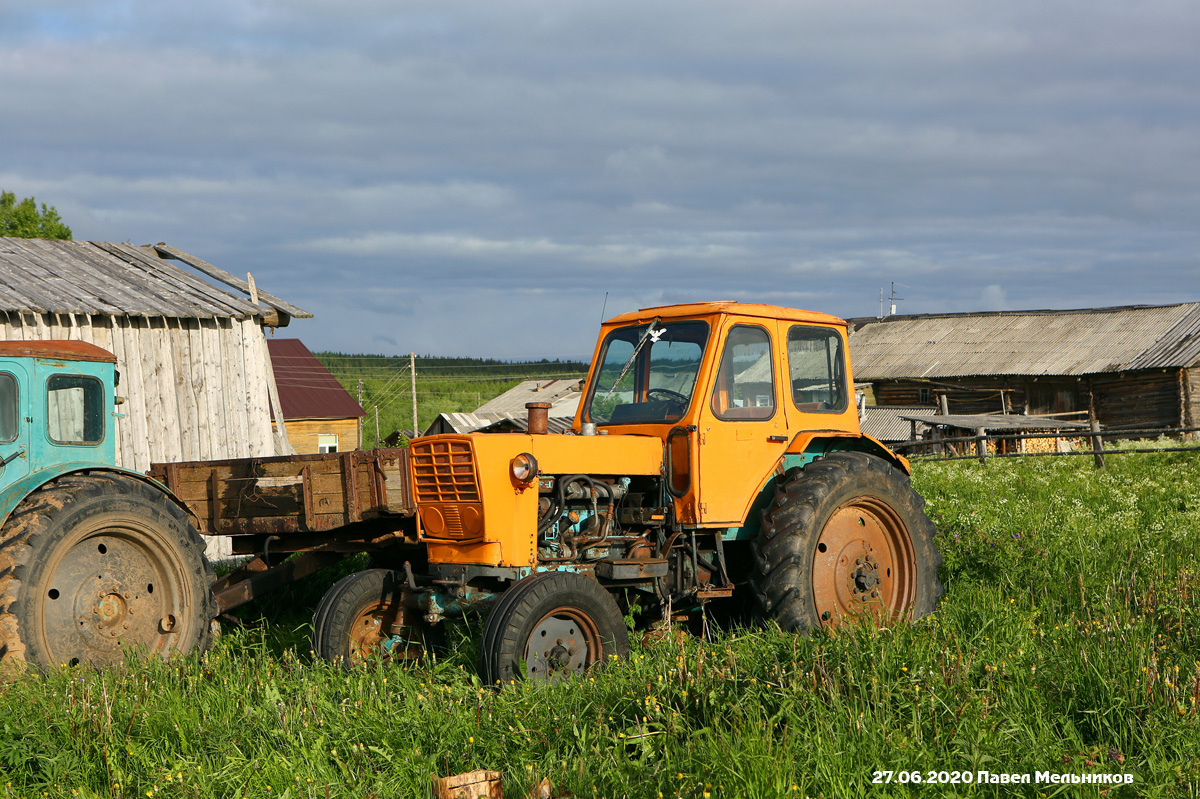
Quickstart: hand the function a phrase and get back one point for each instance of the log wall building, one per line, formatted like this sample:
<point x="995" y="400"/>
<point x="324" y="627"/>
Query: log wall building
<point x="1127" y="367"/>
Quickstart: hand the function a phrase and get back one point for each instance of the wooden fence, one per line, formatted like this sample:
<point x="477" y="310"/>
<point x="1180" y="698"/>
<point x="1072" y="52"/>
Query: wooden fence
<point x="949" y="448"/>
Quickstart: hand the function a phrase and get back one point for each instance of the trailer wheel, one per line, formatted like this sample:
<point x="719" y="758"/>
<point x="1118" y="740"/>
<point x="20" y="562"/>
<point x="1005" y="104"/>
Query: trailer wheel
<point x="362" y="618"/>
<point x="94" y="564"/>
<point x="846" y="537"/>
<point x="550" y="626"/>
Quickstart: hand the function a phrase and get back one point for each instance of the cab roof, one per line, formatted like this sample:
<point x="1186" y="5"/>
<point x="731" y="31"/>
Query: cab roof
<point x="56" y="351"/>
<point x="693" y="309"/>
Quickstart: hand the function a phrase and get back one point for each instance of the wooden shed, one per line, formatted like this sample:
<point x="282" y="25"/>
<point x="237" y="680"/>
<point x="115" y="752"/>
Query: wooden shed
<point x="1127" y="367"/>
<point x="319" y="414"/>
<point x="194" y="369"/>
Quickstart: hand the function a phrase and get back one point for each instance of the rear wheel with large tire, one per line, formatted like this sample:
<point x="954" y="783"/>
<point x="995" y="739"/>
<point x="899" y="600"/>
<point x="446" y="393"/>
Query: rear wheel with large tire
<point x="550" y="626"/>
<point x="363" y="618"/>
<point x="846" y="538"/>
<point x="94" y="564"/>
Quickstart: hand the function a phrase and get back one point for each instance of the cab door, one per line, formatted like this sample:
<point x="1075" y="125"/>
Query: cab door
<point x="742" y="430"/>
<point x="15" y="379"/>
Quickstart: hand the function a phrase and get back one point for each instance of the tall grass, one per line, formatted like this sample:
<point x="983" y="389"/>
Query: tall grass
<point x="1067" y="642"/>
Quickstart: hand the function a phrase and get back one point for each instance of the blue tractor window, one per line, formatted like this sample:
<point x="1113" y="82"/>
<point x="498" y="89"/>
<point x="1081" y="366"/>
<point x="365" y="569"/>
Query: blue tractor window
<point x="74" y="409"/>
<point x="8" y="407"/>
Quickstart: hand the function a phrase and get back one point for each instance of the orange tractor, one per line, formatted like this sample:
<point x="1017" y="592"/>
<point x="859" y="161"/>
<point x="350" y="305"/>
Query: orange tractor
<point x="716" y="452"/>
<point x="716" y="455"/>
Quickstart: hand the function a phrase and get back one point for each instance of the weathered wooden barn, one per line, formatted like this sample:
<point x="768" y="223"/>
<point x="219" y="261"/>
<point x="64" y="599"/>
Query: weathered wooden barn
<point x="1128" y="367"/>
<point x="320" y="415"/>
<point x="194" y="370"/>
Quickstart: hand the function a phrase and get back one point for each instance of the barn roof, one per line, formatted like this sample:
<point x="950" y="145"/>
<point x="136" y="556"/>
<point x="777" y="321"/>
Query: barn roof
<point x="562" y="393"/>
<point x="306" y="388"/>
<point x="493" y="423"/>
<point x="96" y="277"/>
<point x="455" y="422"/>
<point x="1077" y="342"/>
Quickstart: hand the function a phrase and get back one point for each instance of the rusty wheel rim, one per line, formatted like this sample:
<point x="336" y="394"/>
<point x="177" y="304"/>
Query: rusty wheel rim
<point x="112" y="588"/>
<point x="565" y="641"/>
<point x="864" y="566"/>
<point x="382" y="630"/>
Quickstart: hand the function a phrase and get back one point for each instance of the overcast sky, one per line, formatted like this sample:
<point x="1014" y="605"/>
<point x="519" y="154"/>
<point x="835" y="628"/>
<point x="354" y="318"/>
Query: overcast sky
<point x="472" y="177"/>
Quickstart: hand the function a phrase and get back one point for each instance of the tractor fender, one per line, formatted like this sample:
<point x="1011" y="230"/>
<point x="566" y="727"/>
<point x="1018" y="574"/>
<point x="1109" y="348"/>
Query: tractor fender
<point x="16" y="493"/>
<point x="813" y="444"/>
<point x="805" y="448"/>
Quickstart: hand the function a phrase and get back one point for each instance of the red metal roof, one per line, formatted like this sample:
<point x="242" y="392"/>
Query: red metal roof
<point x="306" y="388"/>
<point x="56" y="350"/>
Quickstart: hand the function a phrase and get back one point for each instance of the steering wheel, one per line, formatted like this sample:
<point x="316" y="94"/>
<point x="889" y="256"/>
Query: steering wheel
<point x="667" y="395"/>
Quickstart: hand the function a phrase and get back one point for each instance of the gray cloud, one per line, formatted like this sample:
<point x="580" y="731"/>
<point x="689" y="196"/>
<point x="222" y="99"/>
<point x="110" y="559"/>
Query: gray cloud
<point x="419" y="174"/>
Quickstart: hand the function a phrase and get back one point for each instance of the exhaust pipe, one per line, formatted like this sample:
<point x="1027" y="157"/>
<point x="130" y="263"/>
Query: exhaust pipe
<point x="539" y="418"/>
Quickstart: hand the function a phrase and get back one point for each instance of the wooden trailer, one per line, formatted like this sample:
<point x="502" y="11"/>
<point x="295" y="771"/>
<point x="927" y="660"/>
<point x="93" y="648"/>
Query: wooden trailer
<point x="326" y="507"/>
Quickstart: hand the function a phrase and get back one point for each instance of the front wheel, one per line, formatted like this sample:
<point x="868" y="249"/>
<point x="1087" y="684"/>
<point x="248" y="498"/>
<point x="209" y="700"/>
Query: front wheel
<point x="363" y="618"/>
<point x="846" y="538"/>
<point x="550" y="626"/>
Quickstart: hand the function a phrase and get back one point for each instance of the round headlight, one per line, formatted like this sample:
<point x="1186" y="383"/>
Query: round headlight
<point x="524" y="468"/>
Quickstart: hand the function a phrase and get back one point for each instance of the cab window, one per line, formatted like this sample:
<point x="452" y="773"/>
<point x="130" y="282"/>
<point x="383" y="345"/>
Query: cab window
<point x="647" y="373"/>
<point x="818" y="369"/>
<point x="8" y="407"/>
<point x="745" y="385"/>
<point x="74" y="409"/>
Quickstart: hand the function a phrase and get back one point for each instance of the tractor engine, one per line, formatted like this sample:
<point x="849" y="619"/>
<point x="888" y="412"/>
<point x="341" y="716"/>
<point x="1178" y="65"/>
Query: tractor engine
<point x="580" y="519"/>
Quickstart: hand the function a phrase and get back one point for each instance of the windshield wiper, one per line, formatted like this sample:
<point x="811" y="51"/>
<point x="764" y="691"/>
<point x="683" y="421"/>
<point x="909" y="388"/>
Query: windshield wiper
<point x="641" y="342"/>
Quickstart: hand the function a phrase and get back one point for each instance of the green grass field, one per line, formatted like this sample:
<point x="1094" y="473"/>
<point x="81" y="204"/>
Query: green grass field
<point x="1067" y="643"/>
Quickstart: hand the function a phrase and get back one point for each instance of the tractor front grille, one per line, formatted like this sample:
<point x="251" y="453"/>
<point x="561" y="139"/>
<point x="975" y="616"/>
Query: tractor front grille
<point x="444" y="471"/>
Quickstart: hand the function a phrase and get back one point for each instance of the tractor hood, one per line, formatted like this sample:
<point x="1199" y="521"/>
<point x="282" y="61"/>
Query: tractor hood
<point x="472" y="507"/>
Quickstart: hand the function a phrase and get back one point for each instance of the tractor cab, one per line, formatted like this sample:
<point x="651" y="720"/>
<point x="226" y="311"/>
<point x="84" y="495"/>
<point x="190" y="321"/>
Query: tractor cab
<point x="56" y="399"/>
<point x="730" y="388"/>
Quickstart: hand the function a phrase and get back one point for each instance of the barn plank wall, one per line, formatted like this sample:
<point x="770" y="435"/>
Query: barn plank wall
<point x="969" y="395"/>
<point x="1191" y="382"/>
<point x="1147" y="398"/>
<point x="194" y="388"/>
<point x="1138" y="399"/>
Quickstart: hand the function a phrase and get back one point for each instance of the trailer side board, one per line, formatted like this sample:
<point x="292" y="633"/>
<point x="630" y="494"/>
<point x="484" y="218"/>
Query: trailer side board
<point x="291" y="494"/>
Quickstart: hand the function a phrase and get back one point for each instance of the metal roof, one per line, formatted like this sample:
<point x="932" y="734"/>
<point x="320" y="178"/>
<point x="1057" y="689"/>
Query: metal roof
<point x="563" y="395"/>
<point x="883" y="422"/>
<point x="1078" y="342"/>
<point x="492" y="423"/>
<point x="306" y="388"/>
<point x="96" y="277"/>
<point x="518" y="424"/>
<point x="461" y="422"/>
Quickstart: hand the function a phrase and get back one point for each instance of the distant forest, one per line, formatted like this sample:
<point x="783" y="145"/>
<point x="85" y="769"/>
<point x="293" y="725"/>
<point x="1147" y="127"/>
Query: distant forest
<point x="444" y="385"/>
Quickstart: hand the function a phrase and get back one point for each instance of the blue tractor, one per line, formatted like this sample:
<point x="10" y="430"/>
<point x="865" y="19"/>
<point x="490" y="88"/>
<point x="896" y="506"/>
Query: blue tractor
<point x="95" y="560"/>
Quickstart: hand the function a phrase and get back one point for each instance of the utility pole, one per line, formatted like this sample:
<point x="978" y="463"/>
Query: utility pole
<point x="376" y="426"/>
<point x="360" y="419"/>
<point x="412" y="367"/>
